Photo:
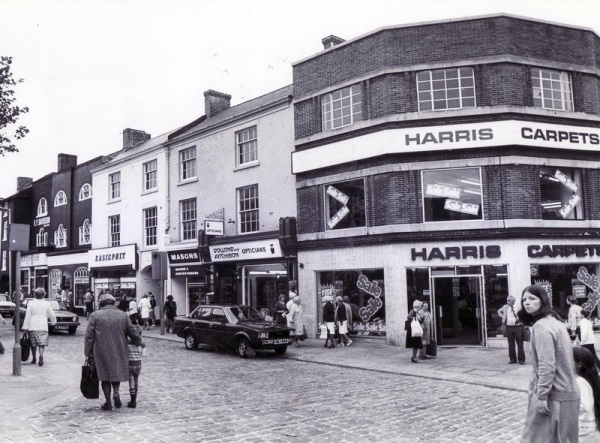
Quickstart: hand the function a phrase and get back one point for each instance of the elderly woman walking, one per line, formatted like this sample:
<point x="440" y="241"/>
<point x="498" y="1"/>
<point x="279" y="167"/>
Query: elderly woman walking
<point x="106" y="339"/>
<point x="36" y="319"/>
<point x="297" y="322"/>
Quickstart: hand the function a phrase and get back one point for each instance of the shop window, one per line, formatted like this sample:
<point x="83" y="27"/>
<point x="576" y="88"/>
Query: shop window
<point x="85" y="192"/>
<point x="561" y="194"/>
<point x="150" y="226"/>
<point x="247" y="146"/>
<point x="417" y="286"/>
<point x="552" y="89"/>
<point x="5" y="231"/>
<point x="85" y="236"/>
<point x="60" y="237"/>
<point x="187" y="164"/>
<point x="150" y="175"/>
<point x="41" y="238"/>
<point x="42" y="208"/>
<point x="114" y="230"/>
<point x="342" y="107"/>
<point x="452" y="195"/>
<point x="446" y="89"/>
<point x="114" y="190"/>
<point x="187" y="209"/>
<point x="248" y="209"/>
<point x="345" y="205"/>
<point x="4" y="256"/>
<point x="366" y="291"/>
<point x="495" y="281"/>
<point x="60" y="199"/>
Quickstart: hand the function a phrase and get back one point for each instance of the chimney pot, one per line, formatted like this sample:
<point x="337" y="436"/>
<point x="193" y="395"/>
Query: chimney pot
<point x="134" y="137"/>
<point x="331" y="41"/>
<point x="215" y="102"/>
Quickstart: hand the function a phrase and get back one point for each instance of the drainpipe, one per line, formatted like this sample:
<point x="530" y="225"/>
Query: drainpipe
<point x="168" y="196"/>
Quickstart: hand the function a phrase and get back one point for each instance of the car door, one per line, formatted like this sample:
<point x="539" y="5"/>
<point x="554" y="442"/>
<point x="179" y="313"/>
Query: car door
<point x="200" y="323"/>
<point x="220" y="330"/>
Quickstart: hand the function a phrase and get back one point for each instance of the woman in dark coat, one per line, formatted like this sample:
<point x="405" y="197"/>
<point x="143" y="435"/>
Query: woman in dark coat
<point x="329" y="319"/>
<point x="106" y="338"/>
<point x="414" y="343"/>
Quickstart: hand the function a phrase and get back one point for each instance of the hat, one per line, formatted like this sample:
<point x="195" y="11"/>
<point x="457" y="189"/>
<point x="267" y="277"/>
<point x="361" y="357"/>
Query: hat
<point x="346" y="298"/>
<point x="106" y="299"/>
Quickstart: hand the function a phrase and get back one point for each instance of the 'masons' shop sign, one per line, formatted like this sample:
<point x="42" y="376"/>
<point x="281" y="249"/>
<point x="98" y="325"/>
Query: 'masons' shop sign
<point x="431" y="138"/>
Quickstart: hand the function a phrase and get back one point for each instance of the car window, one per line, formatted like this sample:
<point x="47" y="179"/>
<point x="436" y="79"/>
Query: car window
<point x="250" y="313"/>
<point x="205" y="313"/>
<point x="218" y="314"/>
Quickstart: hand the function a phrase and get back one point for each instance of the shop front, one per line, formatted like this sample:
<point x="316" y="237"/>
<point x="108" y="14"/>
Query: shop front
<point x="190" y="282"/>
<point x="34" y="273"/>
<point x="113" y="271"/>
<point x="69" y="273"/>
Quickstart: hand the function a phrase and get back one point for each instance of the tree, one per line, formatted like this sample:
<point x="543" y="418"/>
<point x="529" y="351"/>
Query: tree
<point x="9" y="112"/>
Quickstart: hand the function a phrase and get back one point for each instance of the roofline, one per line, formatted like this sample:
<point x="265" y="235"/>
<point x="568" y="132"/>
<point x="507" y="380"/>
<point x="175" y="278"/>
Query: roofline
<point x="442" y="21"/>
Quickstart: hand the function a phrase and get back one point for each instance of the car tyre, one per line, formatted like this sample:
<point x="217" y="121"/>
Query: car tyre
<point x="280" y="351"/>
<point x="72" y="330"/>
<point x="243" y="347"/>
<point x="191" y="342"/>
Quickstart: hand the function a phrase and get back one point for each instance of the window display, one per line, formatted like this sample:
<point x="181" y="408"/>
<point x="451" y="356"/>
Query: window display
<point x="345" y="205"/>
<point x="561" y="193"/>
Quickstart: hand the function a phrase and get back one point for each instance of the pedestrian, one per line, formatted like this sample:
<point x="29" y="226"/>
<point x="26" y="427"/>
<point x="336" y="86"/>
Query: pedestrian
<point x="349" y="315"/>
<point x="144" y="309"/>
<point x="587" y="335"/>
<point x="553" y="407"/>
<point x="135" y="353"/>
<point x="280" y="311"/>
<point x="588" y="381"/>
<point x="106" y="339"/>
<point x="329" y="319"/>
<point x="342" y="322"/>
<point x="426" y="339"/>
<point x="152" y="307"/>
<point x="170" y="311"/>
<point x="297" y="321"/>
<point x="132" y="311"/>
<point x="574" y="317"/>
<point x="89" y="303"/>
<point x="288" y="306"/>
<point x="414" y="342"/>
<point x="123" y="303"/>
<point x="514" y="331"/>
<point x="1" y="345"/>
<point x="38" y="314"/>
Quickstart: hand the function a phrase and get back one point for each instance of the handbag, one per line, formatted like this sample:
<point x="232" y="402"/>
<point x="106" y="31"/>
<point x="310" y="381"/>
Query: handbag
<point x="25" y="346"/>
<point x="416" y="330"/>
<point x="90" y="385"/>
<point x="526" y="334"/>
<point x="431" y="348"/>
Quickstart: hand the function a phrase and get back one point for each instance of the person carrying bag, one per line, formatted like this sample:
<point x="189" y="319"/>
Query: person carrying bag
<point x="89" y="385"/>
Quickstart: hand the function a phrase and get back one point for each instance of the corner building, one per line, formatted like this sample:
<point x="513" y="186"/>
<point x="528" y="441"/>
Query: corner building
<point x="452" y="162"/>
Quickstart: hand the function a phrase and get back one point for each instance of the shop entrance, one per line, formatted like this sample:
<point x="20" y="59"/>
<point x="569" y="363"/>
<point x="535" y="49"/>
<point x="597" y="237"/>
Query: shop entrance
<point x="457" y="306"/>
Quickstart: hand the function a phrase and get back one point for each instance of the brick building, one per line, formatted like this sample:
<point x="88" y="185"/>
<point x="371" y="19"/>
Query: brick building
<point x="453" y="162"/>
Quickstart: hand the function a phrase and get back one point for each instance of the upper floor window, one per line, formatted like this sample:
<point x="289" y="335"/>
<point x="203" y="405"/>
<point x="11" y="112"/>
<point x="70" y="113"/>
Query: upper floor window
<point x="60" y="237"/>
<point x="345" y="205"/>
<point x="187" y="164"/>
<point x="41" y="238"/>
<point x="85" y="237"/>
<point x="150" y="175"/>
<point x="446" y="89"/>
<point x="42" y="208"/>
<point x="60" y="199"/>
<point x="5" y="231"/>
<point x="114" y="230"/>
<point x="561" y="193"/>
<point x="114" y="181"/>
<point x="247" y="146"/>
<point x="342" y="107"/>
<point x="85" y="192"/>
<point x="452" y="195"/>
<point x="150" y="226"/>
<point x="188" y="217"/>
<point x="552" y="89"/>
<point x="248" y="209"/>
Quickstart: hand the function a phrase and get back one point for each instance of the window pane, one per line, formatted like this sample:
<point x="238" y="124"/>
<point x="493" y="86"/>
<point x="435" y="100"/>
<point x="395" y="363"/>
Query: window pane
<point x="452" y="195"/>
<point x="345" y="205"/>
<point x="561" y="194"/>
<point x="248" y="209"/>
<point x="344" y="109"/>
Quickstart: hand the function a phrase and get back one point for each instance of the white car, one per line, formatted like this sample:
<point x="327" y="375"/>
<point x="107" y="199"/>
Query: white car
<point x="7" y="307"/>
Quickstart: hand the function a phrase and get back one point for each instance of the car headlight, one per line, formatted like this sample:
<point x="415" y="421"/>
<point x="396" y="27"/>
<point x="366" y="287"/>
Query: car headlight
<point x="75" y="319"/>
<point x="263" y="335"/>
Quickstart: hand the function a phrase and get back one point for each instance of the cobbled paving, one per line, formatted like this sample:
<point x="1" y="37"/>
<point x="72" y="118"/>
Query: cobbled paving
<point x="206" y="396"/>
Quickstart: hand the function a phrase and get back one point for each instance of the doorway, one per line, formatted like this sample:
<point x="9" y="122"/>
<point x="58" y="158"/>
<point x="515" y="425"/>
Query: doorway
<point x="457" y="307"/>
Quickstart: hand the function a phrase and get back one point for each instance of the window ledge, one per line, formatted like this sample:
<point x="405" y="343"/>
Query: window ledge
<point x="116" y="200"/>
<point x="189" y="180"/>
<point x="247" y="165"/>
<point x="149" y="191"/>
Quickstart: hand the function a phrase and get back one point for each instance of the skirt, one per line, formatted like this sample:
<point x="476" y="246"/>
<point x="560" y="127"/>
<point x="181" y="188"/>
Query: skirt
<point x="38" y="338"/>
<point x="343" y="327"/>
<point x="561" y="425"/>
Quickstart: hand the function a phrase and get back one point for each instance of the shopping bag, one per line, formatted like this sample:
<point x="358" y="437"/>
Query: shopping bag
<point x="25" y="346"/>
<point x="89" y="386"/>
<point x="416" y="330"/>
<point x="323" y="331"/>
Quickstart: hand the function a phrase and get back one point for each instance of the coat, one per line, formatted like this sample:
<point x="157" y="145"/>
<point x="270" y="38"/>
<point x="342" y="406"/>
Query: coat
<point x="328" y="312"/>
<point x="297" y="322"/>
<point x="106" y="338"/>
<point x="145" y="307"/>
<point x="37" y="315"/>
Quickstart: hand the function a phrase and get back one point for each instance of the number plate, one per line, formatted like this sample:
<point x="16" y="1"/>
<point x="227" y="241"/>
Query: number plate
<point x="61" y="327"/>
<point x="281" y="341"/>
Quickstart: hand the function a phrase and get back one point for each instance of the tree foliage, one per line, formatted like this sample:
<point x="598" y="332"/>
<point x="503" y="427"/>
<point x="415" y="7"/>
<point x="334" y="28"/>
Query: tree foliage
<point x="9" y="111"/>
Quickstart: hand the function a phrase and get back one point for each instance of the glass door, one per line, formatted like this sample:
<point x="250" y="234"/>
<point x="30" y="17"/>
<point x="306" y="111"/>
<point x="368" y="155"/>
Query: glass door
<point x="456" y="308"/>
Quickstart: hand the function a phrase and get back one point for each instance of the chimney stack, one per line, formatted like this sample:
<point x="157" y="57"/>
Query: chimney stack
<point x="24" y="183"/>
<point x="331" y="41"/>
<point x="215" y="102"/>
<point x="66" y="161"/>
<point x="134" y="137"/>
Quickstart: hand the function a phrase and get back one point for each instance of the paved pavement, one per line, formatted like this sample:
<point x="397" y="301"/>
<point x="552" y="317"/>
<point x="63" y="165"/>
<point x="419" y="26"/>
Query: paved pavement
<point x="38" y="389"/>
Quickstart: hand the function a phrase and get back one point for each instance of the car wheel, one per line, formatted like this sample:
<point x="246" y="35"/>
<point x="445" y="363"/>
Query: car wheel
<point x="72" y="330"/>
<point x="280" y="351"/>
<point x="190" y="341"/>
<point x="243" y="347"/>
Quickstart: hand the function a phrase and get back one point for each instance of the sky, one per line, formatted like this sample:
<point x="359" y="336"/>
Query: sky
<point x="94" y="68"/>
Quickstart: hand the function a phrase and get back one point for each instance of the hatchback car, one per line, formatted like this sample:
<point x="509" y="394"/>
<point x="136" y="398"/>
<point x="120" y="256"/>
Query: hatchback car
<point x="239" y="328"/>
<point x="7" y="307"/>
<point x="65" y="320"/>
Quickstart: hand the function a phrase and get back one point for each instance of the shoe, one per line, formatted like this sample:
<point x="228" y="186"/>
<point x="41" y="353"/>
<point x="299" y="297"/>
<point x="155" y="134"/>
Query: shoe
<point x="512" y="362"/>
<point x="423" y="357"/>
<point x="106" y="407"/>
<point x="117" y="401"/>
<point x="34" y="361"/>
<point x="521" y="362"/>
<point x="131" y="404"/>
<point x="414" y="360"/>
<point x="41" y="363"/>
<point x="349" y="343"/>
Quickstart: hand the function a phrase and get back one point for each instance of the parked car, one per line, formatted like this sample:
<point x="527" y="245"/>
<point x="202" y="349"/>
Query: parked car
<point x="65" y="320"/>
<point x="239" y="328"/>
<point x="7" y="307"/>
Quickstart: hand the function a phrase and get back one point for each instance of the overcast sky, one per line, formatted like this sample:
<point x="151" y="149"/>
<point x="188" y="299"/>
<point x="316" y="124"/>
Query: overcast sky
<point x="94" y="68"/>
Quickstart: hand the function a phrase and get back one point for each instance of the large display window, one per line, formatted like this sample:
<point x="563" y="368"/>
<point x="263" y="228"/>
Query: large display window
<point x="366" y="291"/>
<point x="345" y="205"/>
<point x="561" y="193"/>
